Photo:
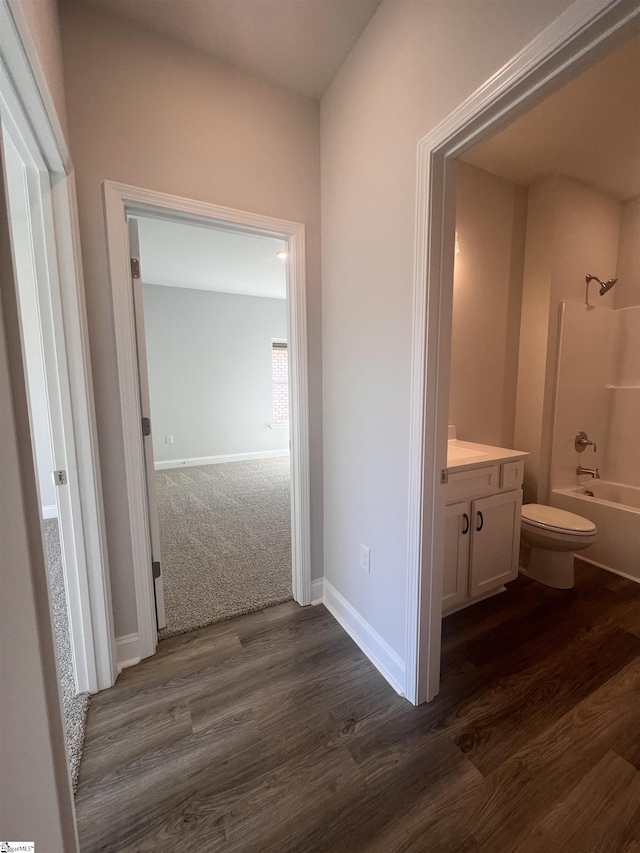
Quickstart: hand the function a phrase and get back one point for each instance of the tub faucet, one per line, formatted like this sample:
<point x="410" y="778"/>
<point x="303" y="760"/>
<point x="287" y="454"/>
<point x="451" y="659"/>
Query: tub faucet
<point x="593" y="471"/>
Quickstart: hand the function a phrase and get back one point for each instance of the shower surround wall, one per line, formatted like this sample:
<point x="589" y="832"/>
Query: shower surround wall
<point x="597" y="386"/>
<point x="598" y="390"/>
<point x="579" y="366"/>
<point x="622" y="458"/>
<point x="572" y="230"/>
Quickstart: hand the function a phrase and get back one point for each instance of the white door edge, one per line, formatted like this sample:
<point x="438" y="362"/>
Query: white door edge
<point x="145" y="412"/>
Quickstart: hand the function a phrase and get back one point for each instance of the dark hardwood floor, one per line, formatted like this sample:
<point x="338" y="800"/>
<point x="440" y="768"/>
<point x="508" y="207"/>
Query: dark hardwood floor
<point x="273" y="732"/>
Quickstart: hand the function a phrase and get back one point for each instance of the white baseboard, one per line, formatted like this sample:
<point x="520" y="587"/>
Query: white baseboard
<point x="127" y="651"/>
<point x="218" y="460"/>
<point x="317" y="591"/>
<point x="387" y="661"/>
<point x="607" y="568"/>
<point x="50" y="511"/>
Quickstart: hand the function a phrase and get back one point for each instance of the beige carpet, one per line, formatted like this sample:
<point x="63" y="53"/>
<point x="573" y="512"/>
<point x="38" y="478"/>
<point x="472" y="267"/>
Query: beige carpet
<point x="74" y="705"/>
<point x="225" y="534"/>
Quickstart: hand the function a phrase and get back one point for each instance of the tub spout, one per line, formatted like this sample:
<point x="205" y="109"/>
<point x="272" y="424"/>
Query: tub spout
<point x="593" y="471"/>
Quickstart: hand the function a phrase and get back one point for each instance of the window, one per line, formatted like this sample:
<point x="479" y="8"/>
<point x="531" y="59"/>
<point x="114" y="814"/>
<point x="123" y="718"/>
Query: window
<point x="280" y="374"/>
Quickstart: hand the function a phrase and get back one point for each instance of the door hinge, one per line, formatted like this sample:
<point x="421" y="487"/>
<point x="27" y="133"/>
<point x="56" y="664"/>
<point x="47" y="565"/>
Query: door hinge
<point x="135" y="268"/>
<point x="444" y="476"/>
<point x="60" y="478"/>
<point x="155" y="568"/>
<point x="146" y="426"/>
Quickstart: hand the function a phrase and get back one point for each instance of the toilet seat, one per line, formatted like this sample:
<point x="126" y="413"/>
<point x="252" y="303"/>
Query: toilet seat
<point x="549" y="518"/>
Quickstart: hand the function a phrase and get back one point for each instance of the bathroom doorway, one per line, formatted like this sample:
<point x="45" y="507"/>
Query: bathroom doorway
<point x="440" y="154"/>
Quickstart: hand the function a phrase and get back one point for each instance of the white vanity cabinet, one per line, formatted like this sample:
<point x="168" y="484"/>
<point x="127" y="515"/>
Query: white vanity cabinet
<point x="457" y="539"/>
<point x="482" y="532"/>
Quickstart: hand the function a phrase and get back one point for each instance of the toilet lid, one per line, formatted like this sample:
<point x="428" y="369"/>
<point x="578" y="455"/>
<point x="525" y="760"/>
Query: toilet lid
<point x="551" y="518"/>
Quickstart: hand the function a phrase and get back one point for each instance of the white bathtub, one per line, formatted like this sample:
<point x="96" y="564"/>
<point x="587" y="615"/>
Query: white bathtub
<point x="615" y="510"/>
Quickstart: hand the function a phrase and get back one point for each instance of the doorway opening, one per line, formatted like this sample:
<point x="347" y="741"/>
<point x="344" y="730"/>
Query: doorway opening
<point x="211" y="322"/>
<point x="586" y="36"/>
<point x="215" y="384"/>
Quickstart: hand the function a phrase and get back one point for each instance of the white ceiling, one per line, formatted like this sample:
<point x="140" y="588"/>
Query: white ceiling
<point x="173" y="254"/>
<point x="589" y="130"/>
<point x="299" y="44"/>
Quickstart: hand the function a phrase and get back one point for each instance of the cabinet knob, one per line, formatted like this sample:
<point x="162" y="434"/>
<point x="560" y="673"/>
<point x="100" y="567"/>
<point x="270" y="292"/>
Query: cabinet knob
<point x="465" y="529"/>
<point x="481" y="521"/>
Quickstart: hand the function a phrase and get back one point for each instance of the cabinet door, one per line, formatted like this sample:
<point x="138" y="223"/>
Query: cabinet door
<point x="455" y="581"/>
<point x="495" y="542"/>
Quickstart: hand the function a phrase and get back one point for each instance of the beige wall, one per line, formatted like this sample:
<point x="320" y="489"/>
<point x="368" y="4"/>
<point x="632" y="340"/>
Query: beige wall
<point x="41" y="19"/>
<point x="627" y="290"/>
<point x="491" y="215"/>
<point x="210" y="353"/>
<point x="414" y="64"/>
<point x="147" y="111"/>
<point x="572" y="230"/>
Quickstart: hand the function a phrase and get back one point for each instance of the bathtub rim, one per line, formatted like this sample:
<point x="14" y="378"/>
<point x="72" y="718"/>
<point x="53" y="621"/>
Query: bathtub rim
<point x="573" y="492"/>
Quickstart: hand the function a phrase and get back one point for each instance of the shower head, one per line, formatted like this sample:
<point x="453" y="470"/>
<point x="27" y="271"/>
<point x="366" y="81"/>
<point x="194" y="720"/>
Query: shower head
<point x="604" y="285"/>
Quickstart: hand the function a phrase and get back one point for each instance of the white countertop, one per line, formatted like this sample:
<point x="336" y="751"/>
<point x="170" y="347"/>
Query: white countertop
<point x="463" y="455"/>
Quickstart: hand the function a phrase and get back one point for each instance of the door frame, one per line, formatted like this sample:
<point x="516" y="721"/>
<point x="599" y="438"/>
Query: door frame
<point x="26" y="103"/>
<point x="577" y="39"/>
<point x="121" y="200"/>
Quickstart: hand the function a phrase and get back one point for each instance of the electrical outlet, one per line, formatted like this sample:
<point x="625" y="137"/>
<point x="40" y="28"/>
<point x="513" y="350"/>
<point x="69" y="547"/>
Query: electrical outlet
<point x="168" y="439"/>
<point x="364" y="558"/>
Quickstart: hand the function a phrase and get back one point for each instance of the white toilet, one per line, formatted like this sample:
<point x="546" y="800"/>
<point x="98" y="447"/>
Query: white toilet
<point x="553" y="535"/>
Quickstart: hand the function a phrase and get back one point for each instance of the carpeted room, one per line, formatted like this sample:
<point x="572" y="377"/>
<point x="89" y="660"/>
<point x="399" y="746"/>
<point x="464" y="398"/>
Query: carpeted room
<point x="215" y="329"/>
<point x="225" y="538"/>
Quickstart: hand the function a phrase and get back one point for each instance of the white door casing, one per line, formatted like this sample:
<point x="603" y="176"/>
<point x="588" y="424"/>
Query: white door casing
<point x="43" y="333"/>
<point x="26" y="109"/>
<point x="45" y="362"/>
<point x="120" y="202"/>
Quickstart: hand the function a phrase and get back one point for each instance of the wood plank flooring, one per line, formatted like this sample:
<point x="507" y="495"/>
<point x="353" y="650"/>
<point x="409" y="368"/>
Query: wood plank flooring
<point x="273" y="732"/>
